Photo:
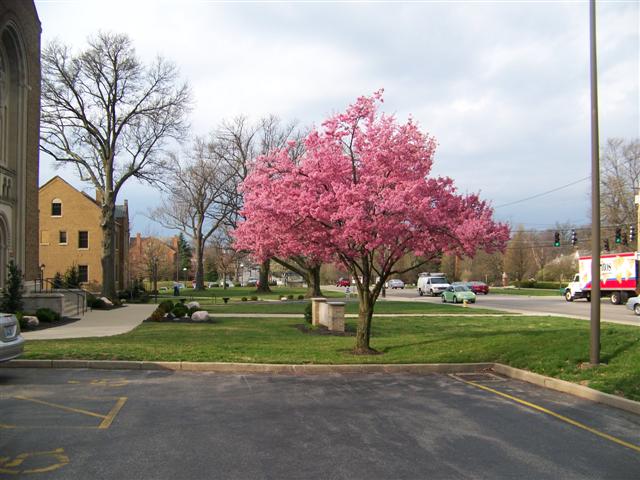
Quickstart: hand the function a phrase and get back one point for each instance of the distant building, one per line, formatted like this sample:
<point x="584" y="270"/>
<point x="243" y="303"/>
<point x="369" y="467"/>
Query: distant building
<point x="144" y="251"/>
<point x="19" y="136"/>
<point x="70" y="234"/>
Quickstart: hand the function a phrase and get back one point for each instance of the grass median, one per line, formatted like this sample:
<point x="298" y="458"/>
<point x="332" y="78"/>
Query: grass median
<point x="547" y="345"/>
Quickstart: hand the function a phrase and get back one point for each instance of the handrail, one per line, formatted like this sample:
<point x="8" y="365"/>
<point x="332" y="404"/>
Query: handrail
<point x="47" y="285"/>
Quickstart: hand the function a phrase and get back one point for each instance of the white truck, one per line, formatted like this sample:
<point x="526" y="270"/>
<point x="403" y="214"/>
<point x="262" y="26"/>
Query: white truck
<point x="432" y="283"/>
<point x="618" y="278"/>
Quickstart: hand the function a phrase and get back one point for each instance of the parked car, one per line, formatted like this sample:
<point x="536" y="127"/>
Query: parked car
<point x="395" y="283"/>
<point x="634" y="304"/>
<point x="343" y="282"/>
<point x="229" y="283"/>
<point x="11" y="342"/>
<point x="252" y="282"/>
<point x="458" y="293"/>
<point x="478" y="287"/>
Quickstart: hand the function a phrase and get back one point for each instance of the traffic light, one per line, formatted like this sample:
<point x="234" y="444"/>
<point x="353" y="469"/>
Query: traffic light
<point x="618" y="235"/>
<point x="574" y="238"/>
<point x="606" y="245"/>
<point x="632" y="233"/>
<point x="556" y="239"/>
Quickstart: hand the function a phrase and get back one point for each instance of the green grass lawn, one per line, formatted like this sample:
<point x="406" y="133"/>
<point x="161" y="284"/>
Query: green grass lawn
<point x="533" y="292"/>
<point x="351" y="307"/>
<point x="550" y="346"/>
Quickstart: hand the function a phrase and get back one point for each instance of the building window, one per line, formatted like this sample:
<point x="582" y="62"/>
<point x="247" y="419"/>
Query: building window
<point x="63" y="238"/>
<point x="56" y="208"/>
<point x="83" y="239"/>
<point x="44" y="237"/>
<point x="83" y="273"/>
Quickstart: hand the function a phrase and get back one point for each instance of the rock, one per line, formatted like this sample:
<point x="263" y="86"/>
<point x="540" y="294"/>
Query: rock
<point x="191" y="305"/>
<point x="169" y="316"/>
<point x="107" y="302"/>
<point x="200" y="316"/>
<point x="32" y="322"/>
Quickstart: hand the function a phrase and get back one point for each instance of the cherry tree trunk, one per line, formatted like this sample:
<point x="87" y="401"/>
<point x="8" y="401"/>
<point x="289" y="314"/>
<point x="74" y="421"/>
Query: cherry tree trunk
<point x="313" y="282"/>
<point x="265" y="268"/>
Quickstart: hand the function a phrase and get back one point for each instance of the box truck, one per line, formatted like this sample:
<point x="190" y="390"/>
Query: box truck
<point x="618" y="278"/>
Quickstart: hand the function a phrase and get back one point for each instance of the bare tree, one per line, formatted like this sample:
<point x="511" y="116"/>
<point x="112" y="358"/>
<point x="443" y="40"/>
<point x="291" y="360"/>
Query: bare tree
<point x="151" y="261"/>
<point x="224" y="256"/>
<point x="620" y="177"/>
<point x="109" y="115"/>
<point x="197" y="201"/>
<point x="238" y="143"/>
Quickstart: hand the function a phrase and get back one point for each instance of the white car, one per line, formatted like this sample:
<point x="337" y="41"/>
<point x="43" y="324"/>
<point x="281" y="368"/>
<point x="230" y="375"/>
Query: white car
<point x="634" y="304"/>
<point x="11" y="342"/>
<point x="230" y="284"/>
<point x="395" y="283"/>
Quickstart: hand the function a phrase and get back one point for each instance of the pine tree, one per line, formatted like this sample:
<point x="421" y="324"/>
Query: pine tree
<point x="12" y="294"/>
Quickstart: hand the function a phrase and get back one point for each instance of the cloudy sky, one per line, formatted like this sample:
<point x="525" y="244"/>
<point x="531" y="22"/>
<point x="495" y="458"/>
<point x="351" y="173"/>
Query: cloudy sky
<point x="503" y="86"/>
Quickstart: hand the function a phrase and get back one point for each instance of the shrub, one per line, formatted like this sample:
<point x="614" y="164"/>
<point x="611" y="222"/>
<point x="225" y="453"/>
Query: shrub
<point x="157" y="315"/>
<point x="307" y="313"/>
<point x="12" y="295"/>
<point x="72" y="278"/>
<point x="300" y="297"/>
<point x="244" y="299"/>
<point x="95" y="302"/>
<point x="289" y="297"/>
<point x="180" y="310"/>
<point x="58" y="281"/>
<point x="254" y="298"/>
<point x="192" y="310"/>
<point x="165" y="306"/>
<point x="47" y="315"/>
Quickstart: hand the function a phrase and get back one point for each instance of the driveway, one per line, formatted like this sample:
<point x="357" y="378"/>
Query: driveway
<point x="79" y="424"/>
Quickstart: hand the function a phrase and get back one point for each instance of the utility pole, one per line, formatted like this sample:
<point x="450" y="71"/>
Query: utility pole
<point x="594" y="350"/>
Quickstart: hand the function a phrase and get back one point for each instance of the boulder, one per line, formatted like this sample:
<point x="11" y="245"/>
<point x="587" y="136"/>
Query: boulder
<point x="200" y="316"/>
<point x="107" y="302"/>
<point x="169" y="316"/>
<point x="191" y="305"/>
<point x="31" y="321"/>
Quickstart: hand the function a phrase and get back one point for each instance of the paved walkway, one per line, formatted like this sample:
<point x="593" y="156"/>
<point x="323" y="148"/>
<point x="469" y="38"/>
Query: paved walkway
<point x="98" y="323"/>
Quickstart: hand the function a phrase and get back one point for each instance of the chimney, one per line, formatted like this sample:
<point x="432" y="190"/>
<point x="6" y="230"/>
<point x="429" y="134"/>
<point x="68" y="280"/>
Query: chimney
<point x="98" y="196"/>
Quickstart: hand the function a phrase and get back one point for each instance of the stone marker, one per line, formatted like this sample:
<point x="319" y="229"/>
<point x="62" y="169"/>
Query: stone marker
<point x="316" y="303"/>
<point x="191" y="305"/>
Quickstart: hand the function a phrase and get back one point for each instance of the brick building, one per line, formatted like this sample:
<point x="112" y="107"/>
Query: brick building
<point x="19" y="136"/>
<point x="147" y="251"/>
<point x="70" y="234"/>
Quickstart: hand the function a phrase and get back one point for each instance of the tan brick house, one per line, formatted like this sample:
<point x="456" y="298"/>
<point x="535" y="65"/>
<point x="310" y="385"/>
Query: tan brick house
<point x="19" y="136"/>
<point x="70" y="234"/>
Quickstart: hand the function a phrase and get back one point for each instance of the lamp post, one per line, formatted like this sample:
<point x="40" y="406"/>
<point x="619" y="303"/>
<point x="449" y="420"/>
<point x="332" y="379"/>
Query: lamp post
<point x="184" y="269"/>
<point x="42" y="277"/>
<point x="241" y="279"/>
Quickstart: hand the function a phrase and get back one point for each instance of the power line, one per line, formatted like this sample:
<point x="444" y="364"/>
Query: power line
<point x="543" y="193"/>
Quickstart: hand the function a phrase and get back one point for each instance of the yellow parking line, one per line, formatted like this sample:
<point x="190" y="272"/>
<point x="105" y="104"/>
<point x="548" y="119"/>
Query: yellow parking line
<point x="553" y="414"/>
<point x="106" y="423"/>
<point x="62" y="407"/>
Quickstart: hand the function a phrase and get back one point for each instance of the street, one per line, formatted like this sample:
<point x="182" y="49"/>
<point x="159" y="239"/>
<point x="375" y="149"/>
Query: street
<point x="79" y="424"/>
<point x="555" y="305"/>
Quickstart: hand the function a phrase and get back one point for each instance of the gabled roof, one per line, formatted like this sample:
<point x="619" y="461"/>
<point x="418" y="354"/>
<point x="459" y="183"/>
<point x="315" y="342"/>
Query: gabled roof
<point x="120" y="212"/>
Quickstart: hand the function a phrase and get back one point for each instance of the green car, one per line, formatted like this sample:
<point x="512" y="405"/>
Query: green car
<point x="458" y="294"/>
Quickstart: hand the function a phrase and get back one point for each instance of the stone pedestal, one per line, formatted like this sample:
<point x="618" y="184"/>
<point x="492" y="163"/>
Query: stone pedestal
<point x="316" y="305"/>
<point x="334" y="317"/>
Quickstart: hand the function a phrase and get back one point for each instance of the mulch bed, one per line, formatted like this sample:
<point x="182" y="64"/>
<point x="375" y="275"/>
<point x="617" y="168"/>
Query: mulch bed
<point x="178" y="320"/>
<point x="45" y="325"/>
<point x="322" y="330"/>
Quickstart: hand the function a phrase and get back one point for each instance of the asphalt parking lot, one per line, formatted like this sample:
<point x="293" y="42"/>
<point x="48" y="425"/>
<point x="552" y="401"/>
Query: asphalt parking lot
<point x="80" y="424"/>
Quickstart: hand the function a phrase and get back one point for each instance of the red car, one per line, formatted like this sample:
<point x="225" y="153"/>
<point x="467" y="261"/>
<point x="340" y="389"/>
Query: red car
<point x="343" y="282"/>
<point x="478" y="287"/>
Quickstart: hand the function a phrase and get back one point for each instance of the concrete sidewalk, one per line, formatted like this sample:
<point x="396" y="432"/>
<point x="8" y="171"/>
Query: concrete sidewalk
<point x="98" y="323"/>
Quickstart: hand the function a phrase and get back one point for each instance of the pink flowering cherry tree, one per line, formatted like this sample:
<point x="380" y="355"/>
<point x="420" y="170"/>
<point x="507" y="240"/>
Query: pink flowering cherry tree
<point x="361" y="196"/>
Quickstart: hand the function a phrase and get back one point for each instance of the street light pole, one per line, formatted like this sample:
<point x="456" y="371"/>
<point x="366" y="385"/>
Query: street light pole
<point x="594" y="350"/>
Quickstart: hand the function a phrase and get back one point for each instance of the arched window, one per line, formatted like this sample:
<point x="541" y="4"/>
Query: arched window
<point x="56" y="207"/>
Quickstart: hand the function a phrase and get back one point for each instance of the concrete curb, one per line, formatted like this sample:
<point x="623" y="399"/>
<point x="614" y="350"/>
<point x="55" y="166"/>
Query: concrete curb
<point x="310" y="369"/>
<point x="568" y="387"/>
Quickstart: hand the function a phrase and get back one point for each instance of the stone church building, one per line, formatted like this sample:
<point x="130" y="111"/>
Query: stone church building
<point x="19" y="136"/>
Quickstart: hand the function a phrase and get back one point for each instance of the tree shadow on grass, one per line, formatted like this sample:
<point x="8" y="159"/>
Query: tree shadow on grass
<point x="471" y="336"/>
